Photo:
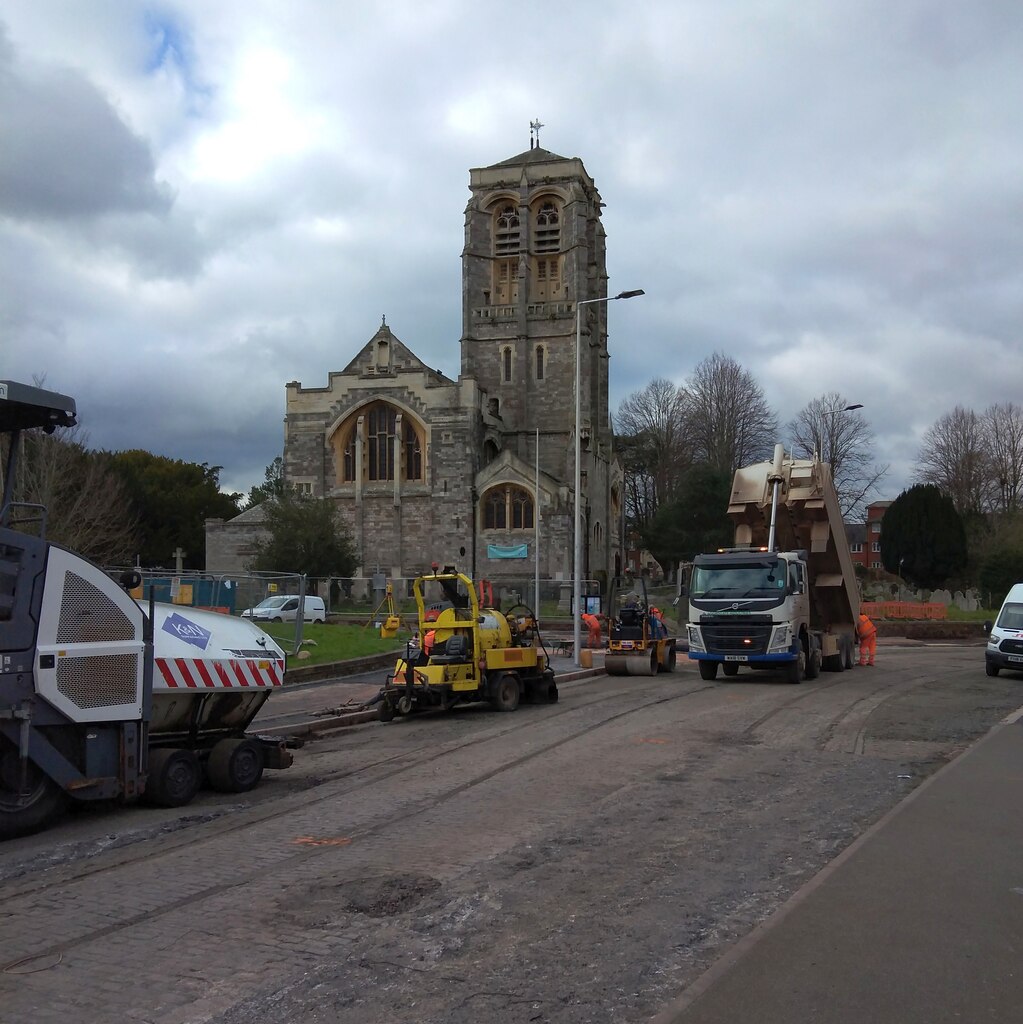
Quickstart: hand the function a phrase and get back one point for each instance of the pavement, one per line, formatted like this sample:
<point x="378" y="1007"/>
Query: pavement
<point x="920" y="921"/>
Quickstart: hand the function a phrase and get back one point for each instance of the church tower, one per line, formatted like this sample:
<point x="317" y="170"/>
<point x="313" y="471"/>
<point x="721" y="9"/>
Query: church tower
<point x="534" y="247"/>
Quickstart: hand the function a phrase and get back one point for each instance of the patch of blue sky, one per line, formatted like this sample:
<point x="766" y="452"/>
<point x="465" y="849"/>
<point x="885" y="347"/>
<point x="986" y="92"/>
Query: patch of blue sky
<point x="170" y="49"/>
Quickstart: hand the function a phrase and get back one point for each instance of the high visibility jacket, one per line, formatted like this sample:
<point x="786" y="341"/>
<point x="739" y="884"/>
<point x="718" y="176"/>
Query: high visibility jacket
<point x="865" y="628"/>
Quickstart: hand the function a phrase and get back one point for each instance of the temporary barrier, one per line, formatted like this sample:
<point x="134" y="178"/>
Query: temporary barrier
<point x="904" y="609"/>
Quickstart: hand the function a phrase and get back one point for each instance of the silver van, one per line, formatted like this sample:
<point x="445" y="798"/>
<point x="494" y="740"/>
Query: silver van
<point x="1005" y="642"/>
<point x="284" y="608"/>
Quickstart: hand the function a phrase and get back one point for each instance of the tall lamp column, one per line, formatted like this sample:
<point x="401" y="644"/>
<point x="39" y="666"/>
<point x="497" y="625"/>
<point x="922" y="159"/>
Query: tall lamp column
<point x="577" y="560"/>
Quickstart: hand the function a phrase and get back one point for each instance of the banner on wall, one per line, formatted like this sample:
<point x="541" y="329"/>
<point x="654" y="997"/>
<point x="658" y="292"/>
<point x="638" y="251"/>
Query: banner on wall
<point x="513" y="551"/>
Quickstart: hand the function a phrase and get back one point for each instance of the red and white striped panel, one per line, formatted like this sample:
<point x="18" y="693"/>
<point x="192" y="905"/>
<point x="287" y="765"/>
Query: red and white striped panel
<point x="202" y="674"/>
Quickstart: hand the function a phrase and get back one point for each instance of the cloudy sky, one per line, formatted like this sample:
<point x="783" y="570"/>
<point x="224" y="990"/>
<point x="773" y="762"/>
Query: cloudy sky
<point x="200" y="201"/>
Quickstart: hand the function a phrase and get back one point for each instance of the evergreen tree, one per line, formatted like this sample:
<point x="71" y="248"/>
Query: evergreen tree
<point x="272" y="485"/>
<point x="172" y="500"/>
<point x="305" y="535"/>
<point x="924" y="535"/>
<point x="695" y="521"/>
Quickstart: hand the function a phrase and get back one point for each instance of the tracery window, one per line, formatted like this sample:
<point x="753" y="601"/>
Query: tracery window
<point x="547" y="228"/>
<point x="380" y="427"/>
<point x="507" y="507"/>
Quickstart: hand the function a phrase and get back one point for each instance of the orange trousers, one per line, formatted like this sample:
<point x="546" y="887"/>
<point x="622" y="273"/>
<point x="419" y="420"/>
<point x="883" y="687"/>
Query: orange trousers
<point x="868" y="647"/>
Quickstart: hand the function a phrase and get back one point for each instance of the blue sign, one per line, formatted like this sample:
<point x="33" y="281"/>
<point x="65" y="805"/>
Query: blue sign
<point x="190" y="632"/>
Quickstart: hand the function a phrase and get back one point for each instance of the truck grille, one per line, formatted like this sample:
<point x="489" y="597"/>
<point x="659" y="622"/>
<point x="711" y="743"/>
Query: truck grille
<point x="1011" y="647"/>
<point x="744" y="634"/>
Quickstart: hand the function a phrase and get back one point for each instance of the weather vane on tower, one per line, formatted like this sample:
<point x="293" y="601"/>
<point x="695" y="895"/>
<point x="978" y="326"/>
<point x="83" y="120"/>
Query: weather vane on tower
<point x="534" y="132"/>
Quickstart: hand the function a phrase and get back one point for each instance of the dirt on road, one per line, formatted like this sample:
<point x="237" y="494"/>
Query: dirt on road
<point x="577" y="863"/>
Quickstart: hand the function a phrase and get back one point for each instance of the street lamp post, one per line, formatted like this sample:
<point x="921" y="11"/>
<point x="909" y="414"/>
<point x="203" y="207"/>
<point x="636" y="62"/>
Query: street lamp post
<point x="578" y="539"/>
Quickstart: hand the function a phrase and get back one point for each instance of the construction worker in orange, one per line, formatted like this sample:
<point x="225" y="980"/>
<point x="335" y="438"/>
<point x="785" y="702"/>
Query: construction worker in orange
<point x="592" y="623"/>
<point x="431" y="635"/>
<point x="866" y="633"/>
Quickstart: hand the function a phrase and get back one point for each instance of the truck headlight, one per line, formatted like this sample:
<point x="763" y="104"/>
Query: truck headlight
<point x="695" y="639"/>
<point x="781" y="639"/>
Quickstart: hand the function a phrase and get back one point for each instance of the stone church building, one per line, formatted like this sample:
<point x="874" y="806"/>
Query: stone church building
<point x="428" y="469"/>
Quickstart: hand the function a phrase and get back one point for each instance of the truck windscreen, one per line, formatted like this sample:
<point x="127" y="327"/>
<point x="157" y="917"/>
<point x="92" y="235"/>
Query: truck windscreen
<point x="731" y="581"/>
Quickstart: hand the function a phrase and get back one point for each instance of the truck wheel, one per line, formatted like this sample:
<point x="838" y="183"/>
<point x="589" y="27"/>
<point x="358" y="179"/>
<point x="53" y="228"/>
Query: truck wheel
<point x="795" y="670"/>
<point x="708" y="670"/>
<point x="813" y="664"/>
<point x="847" y="655"/>
<point x="991" y="669"/>
<point x="505" y="693"/>
<point x="23" y="812"/>
<point x="174" y="777"/>
<point x="730" y="668"/>
<point x="235" y="766"/>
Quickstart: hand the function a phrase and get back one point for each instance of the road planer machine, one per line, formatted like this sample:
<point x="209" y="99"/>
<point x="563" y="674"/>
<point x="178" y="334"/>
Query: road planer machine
<point x="103" y="697"/>
<point x="466" y="653"/>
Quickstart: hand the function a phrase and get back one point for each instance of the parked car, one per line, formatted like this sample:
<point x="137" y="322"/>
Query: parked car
<point x="284" y="608"/>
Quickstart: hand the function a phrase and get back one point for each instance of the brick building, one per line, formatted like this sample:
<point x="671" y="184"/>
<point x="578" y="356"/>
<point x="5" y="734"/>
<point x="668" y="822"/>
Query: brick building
<point x="425" y="468"/>
<point x="865" y="538"/>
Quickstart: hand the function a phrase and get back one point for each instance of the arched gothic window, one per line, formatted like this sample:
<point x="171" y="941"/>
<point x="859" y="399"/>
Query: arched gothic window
<point x="507" y="244"/>
<point x="507" y="507"/>
<point x="380" y="426"/>
<point x="546" y="245"/>
<point x="539" y="362"/>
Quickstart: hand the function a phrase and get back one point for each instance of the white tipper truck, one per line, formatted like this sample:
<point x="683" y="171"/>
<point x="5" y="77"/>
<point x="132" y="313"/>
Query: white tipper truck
<point x="103" y="697"/>
<point x="785" y="596"/>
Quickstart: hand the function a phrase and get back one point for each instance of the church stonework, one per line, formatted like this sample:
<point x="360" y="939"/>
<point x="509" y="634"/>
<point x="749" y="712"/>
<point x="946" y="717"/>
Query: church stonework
<point x="428" y="469"/>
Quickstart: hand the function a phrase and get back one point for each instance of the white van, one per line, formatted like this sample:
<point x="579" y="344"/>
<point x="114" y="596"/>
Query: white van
<point x="284" y="608"/>
<point x="1005" y="644"/>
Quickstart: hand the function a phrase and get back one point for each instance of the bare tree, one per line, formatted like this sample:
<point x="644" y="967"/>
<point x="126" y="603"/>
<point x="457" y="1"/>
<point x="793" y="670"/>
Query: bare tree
<point x="1003" y="431"/>
<point x="87" y="507"/>
<point x="829" y="429"/>
<point x="954" y="456"/>
<point x="651" y="427"/>
<point x="730" y="421"/>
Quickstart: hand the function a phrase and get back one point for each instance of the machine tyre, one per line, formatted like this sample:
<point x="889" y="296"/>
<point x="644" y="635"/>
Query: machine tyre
<point x="671" y="660"/>
<point x="235" y="765"/>
<point x="991" y="669"/>
<point x="730" y="668"/>
<point x="174" y="777"/>
<point x="847" y="655"/>
<point x="708" y="670"/>
<point x="795" y="670"/>
<point x="813" y="663"/>
<point x="505" y="692"/>
<point x="45" y="799"/>
<point x="386" y="713"/>
<point x="552" y="692"/>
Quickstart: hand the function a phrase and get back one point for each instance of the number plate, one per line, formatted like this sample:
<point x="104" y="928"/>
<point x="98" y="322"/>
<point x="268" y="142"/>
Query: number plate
<point x="744" y="657"/>
<point x="1015" y="657"/>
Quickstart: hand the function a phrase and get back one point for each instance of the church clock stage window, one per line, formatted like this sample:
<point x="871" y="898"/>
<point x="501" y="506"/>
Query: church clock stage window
<point x="507" y="508"/>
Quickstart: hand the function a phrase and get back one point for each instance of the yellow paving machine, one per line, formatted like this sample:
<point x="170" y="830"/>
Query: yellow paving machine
<point x="465" y="653"/>
<point x="638" y="643"/>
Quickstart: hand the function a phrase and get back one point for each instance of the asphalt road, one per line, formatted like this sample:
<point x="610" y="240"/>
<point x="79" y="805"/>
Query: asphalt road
<point x="578" y="862"/>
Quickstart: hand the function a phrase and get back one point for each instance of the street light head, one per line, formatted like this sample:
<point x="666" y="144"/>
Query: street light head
<point x="849" y="408"/>
<point x="631" y="294"/>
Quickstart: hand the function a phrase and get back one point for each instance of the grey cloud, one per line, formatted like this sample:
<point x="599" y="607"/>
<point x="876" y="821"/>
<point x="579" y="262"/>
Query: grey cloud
<point x="66" y="152"/>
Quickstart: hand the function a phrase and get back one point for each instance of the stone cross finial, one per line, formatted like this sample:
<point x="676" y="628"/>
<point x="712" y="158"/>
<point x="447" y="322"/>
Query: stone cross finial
<point x="179" y="559"/>
<point x="534" y="132"/>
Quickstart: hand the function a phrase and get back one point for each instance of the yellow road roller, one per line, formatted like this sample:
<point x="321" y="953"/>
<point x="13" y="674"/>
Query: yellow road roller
<point x="638" y="642"/>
